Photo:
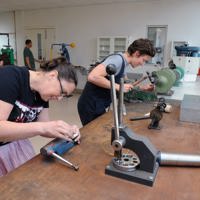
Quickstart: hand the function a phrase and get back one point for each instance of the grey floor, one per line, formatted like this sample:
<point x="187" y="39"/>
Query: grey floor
<point x="66" y="110"/>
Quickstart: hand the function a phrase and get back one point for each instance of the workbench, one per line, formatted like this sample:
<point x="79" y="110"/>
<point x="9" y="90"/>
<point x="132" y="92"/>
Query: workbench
<point x="41" y="179"/>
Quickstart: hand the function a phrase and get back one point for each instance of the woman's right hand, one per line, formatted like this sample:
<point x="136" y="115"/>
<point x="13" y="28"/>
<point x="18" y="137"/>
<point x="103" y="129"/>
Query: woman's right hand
<point x="60" y="129"/>
<point x="128" y="87"/>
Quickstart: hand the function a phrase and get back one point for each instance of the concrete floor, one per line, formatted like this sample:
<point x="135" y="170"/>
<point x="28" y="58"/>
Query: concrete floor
<point x="66" y="110"/>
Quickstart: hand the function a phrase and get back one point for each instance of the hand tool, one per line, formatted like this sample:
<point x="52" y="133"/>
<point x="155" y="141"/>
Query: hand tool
<point x="57" y="147"/>
<point x="139" y="81"/>
<point x="155" y="115"/>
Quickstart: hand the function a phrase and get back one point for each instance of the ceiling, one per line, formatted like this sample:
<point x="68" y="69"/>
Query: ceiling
<point x="10" y="5"/>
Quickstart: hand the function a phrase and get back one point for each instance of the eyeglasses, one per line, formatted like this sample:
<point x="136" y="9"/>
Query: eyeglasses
<point x="62" y="93"/>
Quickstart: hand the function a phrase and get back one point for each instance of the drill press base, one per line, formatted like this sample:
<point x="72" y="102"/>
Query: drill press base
<point x="138" y="176"/>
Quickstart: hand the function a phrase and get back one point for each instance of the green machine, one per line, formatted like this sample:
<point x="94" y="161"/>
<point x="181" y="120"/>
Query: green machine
<point x="7" y="53"/>
<point x="163" y="80"/>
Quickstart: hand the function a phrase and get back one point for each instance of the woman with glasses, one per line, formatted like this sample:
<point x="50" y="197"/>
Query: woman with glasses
<point x="24" y="97"/>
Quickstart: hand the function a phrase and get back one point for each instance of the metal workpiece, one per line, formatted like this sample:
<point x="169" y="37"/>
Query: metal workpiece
<point x="128" y="162"/>
<point x="75" y="167"/>
<point x="124" y="110"/>
<point x="176" y="159"/>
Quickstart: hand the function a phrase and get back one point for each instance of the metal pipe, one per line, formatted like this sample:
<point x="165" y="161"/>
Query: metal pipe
<point x="121" y="103"/>
<point x="75" y="167"/>
<point x="139" y="81"/>
<point x="139" y="118"/>
<point x="114" y="102"/>
<point x="176" y="159"/>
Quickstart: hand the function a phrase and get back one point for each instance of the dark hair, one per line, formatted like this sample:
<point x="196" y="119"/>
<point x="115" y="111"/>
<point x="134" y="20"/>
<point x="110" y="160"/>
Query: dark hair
<point x="65" y="69"/>
<point x="28" y="41"/>
<point x="144" y="46"/>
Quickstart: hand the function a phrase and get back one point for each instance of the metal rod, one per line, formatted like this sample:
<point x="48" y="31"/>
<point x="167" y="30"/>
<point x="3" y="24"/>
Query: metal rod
<point x="114" y="102"/>
<point x="139" y="118"/>
<point x="75" y="167"/>
<point x="121" y="103"/>
<point x="179" y="159"/>
<point x="139" y="81"/>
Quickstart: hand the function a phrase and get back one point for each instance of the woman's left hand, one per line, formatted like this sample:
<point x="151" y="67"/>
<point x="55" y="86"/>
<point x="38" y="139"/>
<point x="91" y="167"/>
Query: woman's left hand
<point x="148" y="87"/>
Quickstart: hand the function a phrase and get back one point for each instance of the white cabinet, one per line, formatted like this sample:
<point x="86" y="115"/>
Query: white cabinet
<point x="189" y="64"/>
<point x="109" y="45"/>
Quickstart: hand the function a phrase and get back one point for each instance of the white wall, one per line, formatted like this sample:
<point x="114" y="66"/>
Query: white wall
<point x="7" y="22"/>
<point x="20" y="43"/>
<point x="7" y="26"/>
<point x="83" y="25"/>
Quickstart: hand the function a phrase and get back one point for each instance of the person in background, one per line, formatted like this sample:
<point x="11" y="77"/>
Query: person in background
<point x="24" y="106"/>
<point x="96" y="96"/>
<point x="29" y="60"/>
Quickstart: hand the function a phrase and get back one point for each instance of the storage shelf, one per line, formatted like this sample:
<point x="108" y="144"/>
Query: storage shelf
<point x="109" y="45"/>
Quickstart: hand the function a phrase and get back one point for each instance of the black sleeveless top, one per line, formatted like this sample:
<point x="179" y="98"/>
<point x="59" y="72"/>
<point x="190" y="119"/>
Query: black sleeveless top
<point x="96" y="99"/>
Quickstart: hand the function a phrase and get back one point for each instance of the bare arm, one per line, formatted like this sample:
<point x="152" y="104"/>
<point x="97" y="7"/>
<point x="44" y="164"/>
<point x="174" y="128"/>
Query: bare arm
<point x="147" y="87"/>
<point x="10" y="131"/>
<point x="44" y="115"/>
<point x="97" y="77"/>
<point x="37" y="60"/>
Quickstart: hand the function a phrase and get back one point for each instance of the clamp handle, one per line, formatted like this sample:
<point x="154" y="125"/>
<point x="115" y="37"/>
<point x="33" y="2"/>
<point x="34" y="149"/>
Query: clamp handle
<point x="111" y="69"/>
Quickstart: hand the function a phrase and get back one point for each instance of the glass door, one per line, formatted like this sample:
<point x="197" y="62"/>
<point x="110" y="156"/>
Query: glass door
<point x="158" y="36"/>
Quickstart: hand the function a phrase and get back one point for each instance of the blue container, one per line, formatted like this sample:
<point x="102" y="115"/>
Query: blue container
<point x="188" y="51"/>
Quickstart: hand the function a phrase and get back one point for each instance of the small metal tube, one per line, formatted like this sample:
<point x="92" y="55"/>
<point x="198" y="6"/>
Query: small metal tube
<point x="124" y="109"/>
<point x="75" y="167"/>
<point x="139" y="118"/>
<point x="118" y="144"/>
<point x="179" y="159"/>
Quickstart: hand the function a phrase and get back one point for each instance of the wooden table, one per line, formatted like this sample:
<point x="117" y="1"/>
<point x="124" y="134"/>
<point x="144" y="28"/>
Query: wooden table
<point x="39" y="179"/>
